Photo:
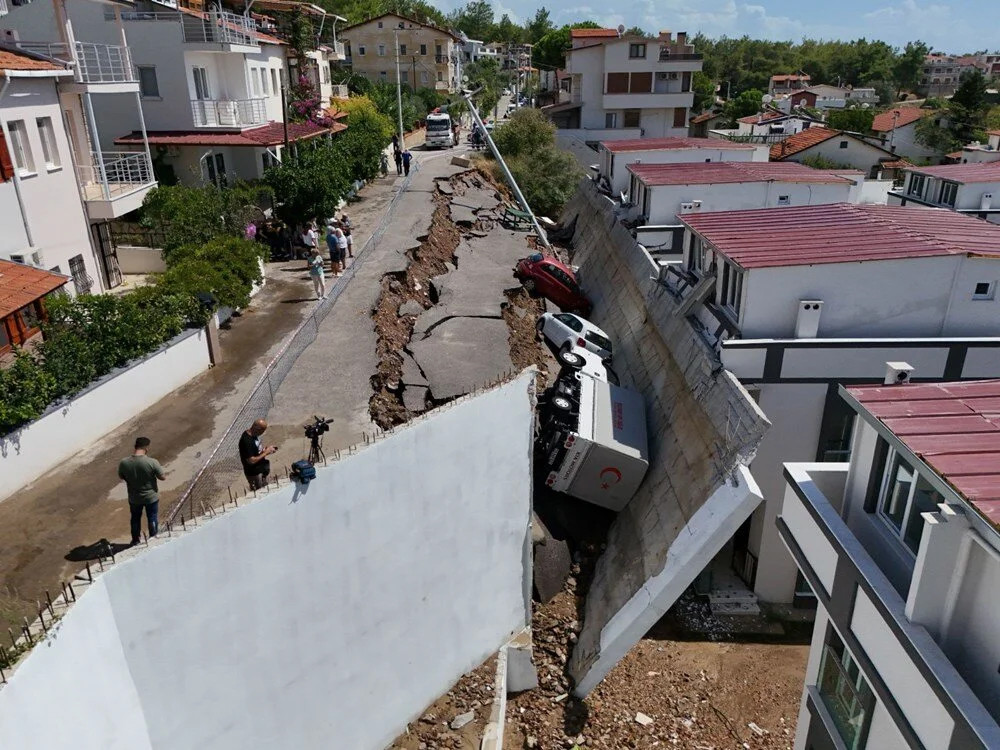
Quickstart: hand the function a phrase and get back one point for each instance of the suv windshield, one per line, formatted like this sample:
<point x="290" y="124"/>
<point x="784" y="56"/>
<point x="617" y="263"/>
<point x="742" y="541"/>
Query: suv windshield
<point x="598" y="340"/>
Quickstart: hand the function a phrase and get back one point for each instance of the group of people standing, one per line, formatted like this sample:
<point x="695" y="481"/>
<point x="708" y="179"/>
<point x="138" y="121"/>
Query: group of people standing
<point x="339" y="243"/>
<point x="402" y="157"/>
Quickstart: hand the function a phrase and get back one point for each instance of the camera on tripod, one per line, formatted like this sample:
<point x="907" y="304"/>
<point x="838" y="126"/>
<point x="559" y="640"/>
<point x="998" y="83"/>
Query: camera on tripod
<point x="319" y="426"/>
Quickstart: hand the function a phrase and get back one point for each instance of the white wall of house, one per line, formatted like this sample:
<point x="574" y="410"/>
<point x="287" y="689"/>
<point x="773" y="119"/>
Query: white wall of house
<point x="665" y="200"/>
<point x="903" y="142"/>
<point x="865" y="299"/>
<point x="969" y="196"/>
<point x="49" y="194"/>
<point x="856" y="154"/>
<point x="788" y="126"/>
<point x="613" y="165"/>
<point x="272" y="58"/>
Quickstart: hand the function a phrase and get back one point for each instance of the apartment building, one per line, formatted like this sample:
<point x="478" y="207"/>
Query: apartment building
<point x="799" y="300"/>
<point x="615" y="156"/>
<point x="942" y="74"/>
<point x="49" y="187"/>
<point x="629" y="82"/>
<point x="901" y="545"/>
<point x="787" y="83"/>
<point x="972" y="189"/>
<point x="429" y="56"/>
<point x="208" y="85"/>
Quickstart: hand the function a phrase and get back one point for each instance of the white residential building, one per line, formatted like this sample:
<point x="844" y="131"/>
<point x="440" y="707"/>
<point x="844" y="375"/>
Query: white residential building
<point x="838" y="149"/>
<point x="772" y="125"/>
<point x="43" y="188"/>
<point x="659" y="194"/>
<point x="615" y="156"/>
<point x="977" y="153"/>
<point x="787" y="83"/>
<point x="824" y="96"/>
<point x="799" y="300"/>
<point x="901" y="546"/>
<point x="972" y="189"/>
<point x="896" y="131"/>
<point x="635" y="83"/>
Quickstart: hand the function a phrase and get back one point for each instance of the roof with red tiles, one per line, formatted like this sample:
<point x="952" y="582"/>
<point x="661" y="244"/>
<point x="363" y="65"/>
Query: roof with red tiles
<point x="842" y="233"/>
<point x="705" y="117"/>
<point x="762" y="117"/>
<point x="791" y="77"/>
<point x="895" y="164"/>
<point x="21" y="285"/>
<point x="701" y="173"/>
<point x="670" y="144"/>
<point x="593" y="33"/>
<point x="884" y="121"/>
<point x="964" y="174"/>
<point x="272" y="134"/>
<point x="808" y="138"/>
<point x="954" y="428"/>
<point x="15" y="59"/>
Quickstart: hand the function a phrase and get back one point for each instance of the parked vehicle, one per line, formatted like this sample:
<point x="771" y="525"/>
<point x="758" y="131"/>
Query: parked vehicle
<point x="592" y="439"/>
<point x="551" y="278"/>
<point x="568" y="331"/>
<point x="440" y="133"/>
<point x="587" y="362"/>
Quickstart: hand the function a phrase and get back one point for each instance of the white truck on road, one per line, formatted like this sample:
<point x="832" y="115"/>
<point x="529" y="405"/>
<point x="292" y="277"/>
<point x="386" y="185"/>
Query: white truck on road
<point x="439" y="130"/>
<point x="593" y="439"/>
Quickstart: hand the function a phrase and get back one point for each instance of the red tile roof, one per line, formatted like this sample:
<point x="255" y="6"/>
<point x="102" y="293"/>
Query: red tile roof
<point x="964" y="174"/>
<point x="21" y="285"/>
<point x="952" y="427"/>
<point x="883" y="121"/>
<point x="700" y="173"/>
<point x="842" y="233"/>
<point x="705" y="117"/>
<point x="791" y="77"/>
<point x="808" y="138"/>
<point x="895" y="164"/>
<point x="762" y="117"/>
<point x="12" y="59"/>
<point x="272" y="134"/>
<point x="993" y="132"/>
<point x="593" y="34"/>
<point x="425" y="24"/>
<point x="670" y="144"/>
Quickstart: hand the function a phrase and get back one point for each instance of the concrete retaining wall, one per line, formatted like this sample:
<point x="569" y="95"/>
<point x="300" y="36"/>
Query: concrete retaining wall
<point x="68" y="429"/>
<point x="703" y="428"/>
<point x="325" y="618"/>
<point x="133" y="259"/>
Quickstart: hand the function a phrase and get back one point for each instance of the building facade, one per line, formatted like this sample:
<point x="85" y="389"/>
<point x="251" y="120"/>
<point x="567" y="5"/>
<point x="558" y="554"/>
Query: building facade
<point x="429" y="56"/>
<point x="972" y="189"/>
<point x="835" y="148"/>
<point x="797" y="301"/>
<point x="631" y="82"/>
<point x="979" y="153"/>
<point x="787" y="83"/>
<point x="896" y="131"/>
<point x="901" y="545"/>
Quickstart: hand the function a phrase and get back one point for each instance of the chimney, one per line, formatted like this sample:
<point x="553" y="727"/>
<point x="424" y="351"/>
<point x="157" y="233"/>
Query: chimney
<point x="664" y="36"/>
<point x="807" y="324"/>
<point x="897" y="373"/>
<point x="682" y="37"/>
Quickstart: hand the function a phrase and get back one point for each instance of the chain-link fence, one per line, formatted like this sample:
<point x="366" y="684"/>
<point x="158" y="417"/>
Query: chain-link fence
<point x="222" y="470"/>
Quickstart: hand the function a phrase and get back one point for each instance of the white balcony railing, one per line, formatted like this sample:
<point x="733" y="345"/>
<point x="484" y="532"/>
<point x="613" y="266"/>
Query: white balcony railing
<point x="338" y="50"/>
<point x="219" y="28"/>
<point x="113" y="174"/>
<point x="93" y="63"/>
<point x="221" y="113"/>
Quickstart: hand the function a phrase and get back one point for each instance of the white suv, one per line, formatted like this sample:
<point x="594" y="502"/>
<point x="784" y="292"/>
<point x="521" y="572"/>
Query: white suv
<point x="568" y="331"/>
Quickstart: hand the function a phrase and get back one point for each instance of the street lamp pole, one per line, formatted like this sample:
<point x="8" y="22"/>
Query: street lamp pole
<point x="399" y="94"/>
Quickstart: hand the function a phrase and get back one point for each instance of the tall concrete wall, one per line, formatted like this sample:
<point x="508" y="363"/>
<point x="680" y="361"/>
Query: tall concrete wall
<point x="703" y="428"/>
<point x="325" y="618"/>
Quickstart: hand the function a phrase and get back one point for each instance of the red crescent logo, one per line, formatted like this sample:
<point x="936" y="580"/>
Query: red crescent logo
<point x="611" y="470"/>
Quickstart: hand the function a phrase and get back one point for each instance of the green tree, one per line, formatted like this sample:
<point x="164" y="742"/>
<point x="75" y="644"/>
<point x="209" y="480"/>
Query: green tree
<point x="505" y="30"/>
<point x="311" y="185"/>
<point x="992" y="119"/>
<point x="550" y="50"/>
<point x="198" y="214"/>
<point x="855" y="120"/>
<point x="486" y="75"/>
<point x="971" y="92"/>
<point x="907" y="68"/>
<point x="475" y="19"/>
<point x="538" y="26"/>
<point x="932" y="135"/>
<point x="635" y="31"/>
<point x="226" y="267"/>
<point x="527" y="131"/>
<point x="746" y="104"/>
<point x="704" y="91"/>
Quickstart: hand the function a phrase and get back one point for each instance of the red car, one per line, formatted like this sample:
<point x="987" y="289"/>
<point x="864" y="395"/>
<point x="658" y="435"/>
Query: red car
<point x="554" y="280"/>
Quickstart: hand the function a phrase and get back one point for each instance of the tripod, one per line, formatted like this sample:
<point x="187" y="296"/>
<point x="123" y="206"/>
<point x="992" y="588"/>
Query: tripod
<point x="316" y="450"/>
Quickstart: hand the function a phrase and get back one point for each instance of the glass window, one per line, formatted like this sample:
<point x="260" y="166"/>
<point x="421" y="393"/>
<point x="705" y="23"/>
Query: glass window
<point x="274" y="80"/>
<point x="4" y="335"/>
<point x="31" y="315"/>
<point x="402" y="49"/>
<point x="631" y="118"/>
<point x="20" y="148"/>
<point x="423" y="49"/>
<point x="611" y="119"/>
<point x="149" y="87"/>
<point x="570" y="320"/>
<point x="897" y="493"/>
<point x="424" y="78"/>
<point x="949" y="191"/>
<point x="636" y="50"/>
<point x="381" y="50"/>
<point x="916" y="186"/>
<point x="984" y="290"/>
<point x="47" y="134"/>
<point x="361" y="50"/>
<point x="598" y="340"/>
<point x="201" y="90"/>
<point x="925" y="500"/>
<point x="263" y="82"/>
<point x="844" y="691"/>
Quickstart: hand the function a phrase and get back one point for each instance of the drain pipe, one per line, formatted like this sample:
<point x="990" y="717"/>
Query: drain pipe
<point x="17" y="173"/>
<point x="503" y="165"/>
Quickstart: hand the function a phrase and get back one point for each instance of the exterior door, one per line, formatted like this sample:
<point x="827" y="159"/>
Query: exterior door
<point x="106" y="252"/>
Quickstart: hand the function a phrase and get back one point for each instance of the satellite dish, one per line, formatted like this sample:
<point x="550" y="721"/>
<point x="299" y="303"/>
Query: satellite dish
<point x="621" y="29"/>
<point x="767" y="98"/>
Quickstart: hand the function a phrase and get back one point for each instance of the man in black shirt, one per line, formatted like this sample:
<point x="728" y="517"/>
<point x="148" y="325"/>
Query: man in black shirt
<point x="253" y="455"/>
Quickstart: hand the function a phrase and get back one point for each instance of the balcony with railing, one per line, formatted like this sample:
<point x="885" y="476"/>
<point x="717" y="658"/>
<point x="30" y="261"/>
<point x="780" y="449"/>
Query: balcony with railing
<point x="228" y="113"/>
<point x="216" y="31"/>
<point x="338" y="50"/>
<point x="104" y="65"/>
<point x="115" y="182"/>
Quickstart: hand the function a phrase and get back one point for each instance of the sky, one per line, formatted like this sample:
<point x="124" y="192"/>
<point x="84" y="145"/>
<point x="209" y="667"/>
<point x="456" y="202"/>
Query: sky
<point x="954" y="26"/>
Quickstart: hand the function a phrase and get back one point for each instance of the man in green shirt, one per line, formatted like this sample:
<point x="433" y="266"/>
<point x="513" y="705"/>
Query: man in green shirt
<point x="140" y="473"/>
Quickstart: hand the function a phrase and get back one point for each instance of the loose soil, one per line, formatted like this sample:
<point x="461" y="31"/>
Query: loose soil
<point x="473" y="692"/>
<point x="394" y="330"/>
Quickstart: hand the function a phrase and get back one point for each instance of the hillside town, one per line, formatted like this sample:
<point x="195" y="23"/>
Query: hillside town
<point x="376" y="375"/>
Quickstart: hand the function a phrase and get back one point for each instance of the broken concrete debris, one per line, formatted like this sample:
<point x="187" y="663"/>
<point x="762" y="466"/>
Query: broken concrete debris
<point x="411" y="307"/>
<point x="462" y="719"/>
<point x="643" y="719"/>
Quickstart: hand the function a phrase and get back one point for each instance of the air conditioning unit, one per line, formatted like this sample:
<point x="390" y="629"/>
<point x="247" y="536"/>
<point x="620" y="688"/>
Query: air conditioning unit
<point x="897" y="373"/>
<point x="986" y="201"/>
<point x="661" y="76"/>
<point x="807" y="323"/>
<point x="689" y="206"/>
<point x="37" y="260"/>
<point x="673" y="76"/>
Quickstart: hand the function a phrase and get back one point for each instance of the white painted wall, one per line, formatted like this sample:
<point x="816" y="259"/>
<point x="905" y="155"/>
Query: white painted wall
<point x="812" y="675"/>
<point x="324" y="618"/>
<point x="614" y="165"/>
<point x="818" y="551"/>
<point x="862" y="299"/>
<point x="903" y="142"/>
<point x="796" y="413"/>
<point x="58" y="224"/>
<point x="132" y="259"/>
<point x="883" y="734"/>
<point x="665" y="200"/>
<point x="29" y="452"/>
<point x="856" y="155"/>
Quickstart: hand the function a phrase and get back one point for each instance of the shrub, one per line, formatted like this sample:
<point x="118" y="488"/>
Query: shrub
<point x="25" y="390"/>
<point x="226" y="268"/>
<point x="526" y="132"/>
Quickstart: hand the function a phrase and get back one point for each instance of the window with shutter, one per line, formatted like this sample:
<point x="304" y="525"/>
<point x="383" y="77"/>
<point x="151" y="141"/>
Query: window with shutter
<point x="617" y="83"/>
<point x="640" y="83"/>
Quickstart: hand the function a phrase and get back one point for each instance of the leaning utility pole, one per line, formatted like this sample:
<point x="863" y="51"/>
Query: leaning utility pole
<point x="506" y="172"/>
<point x="399" y="93"/>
